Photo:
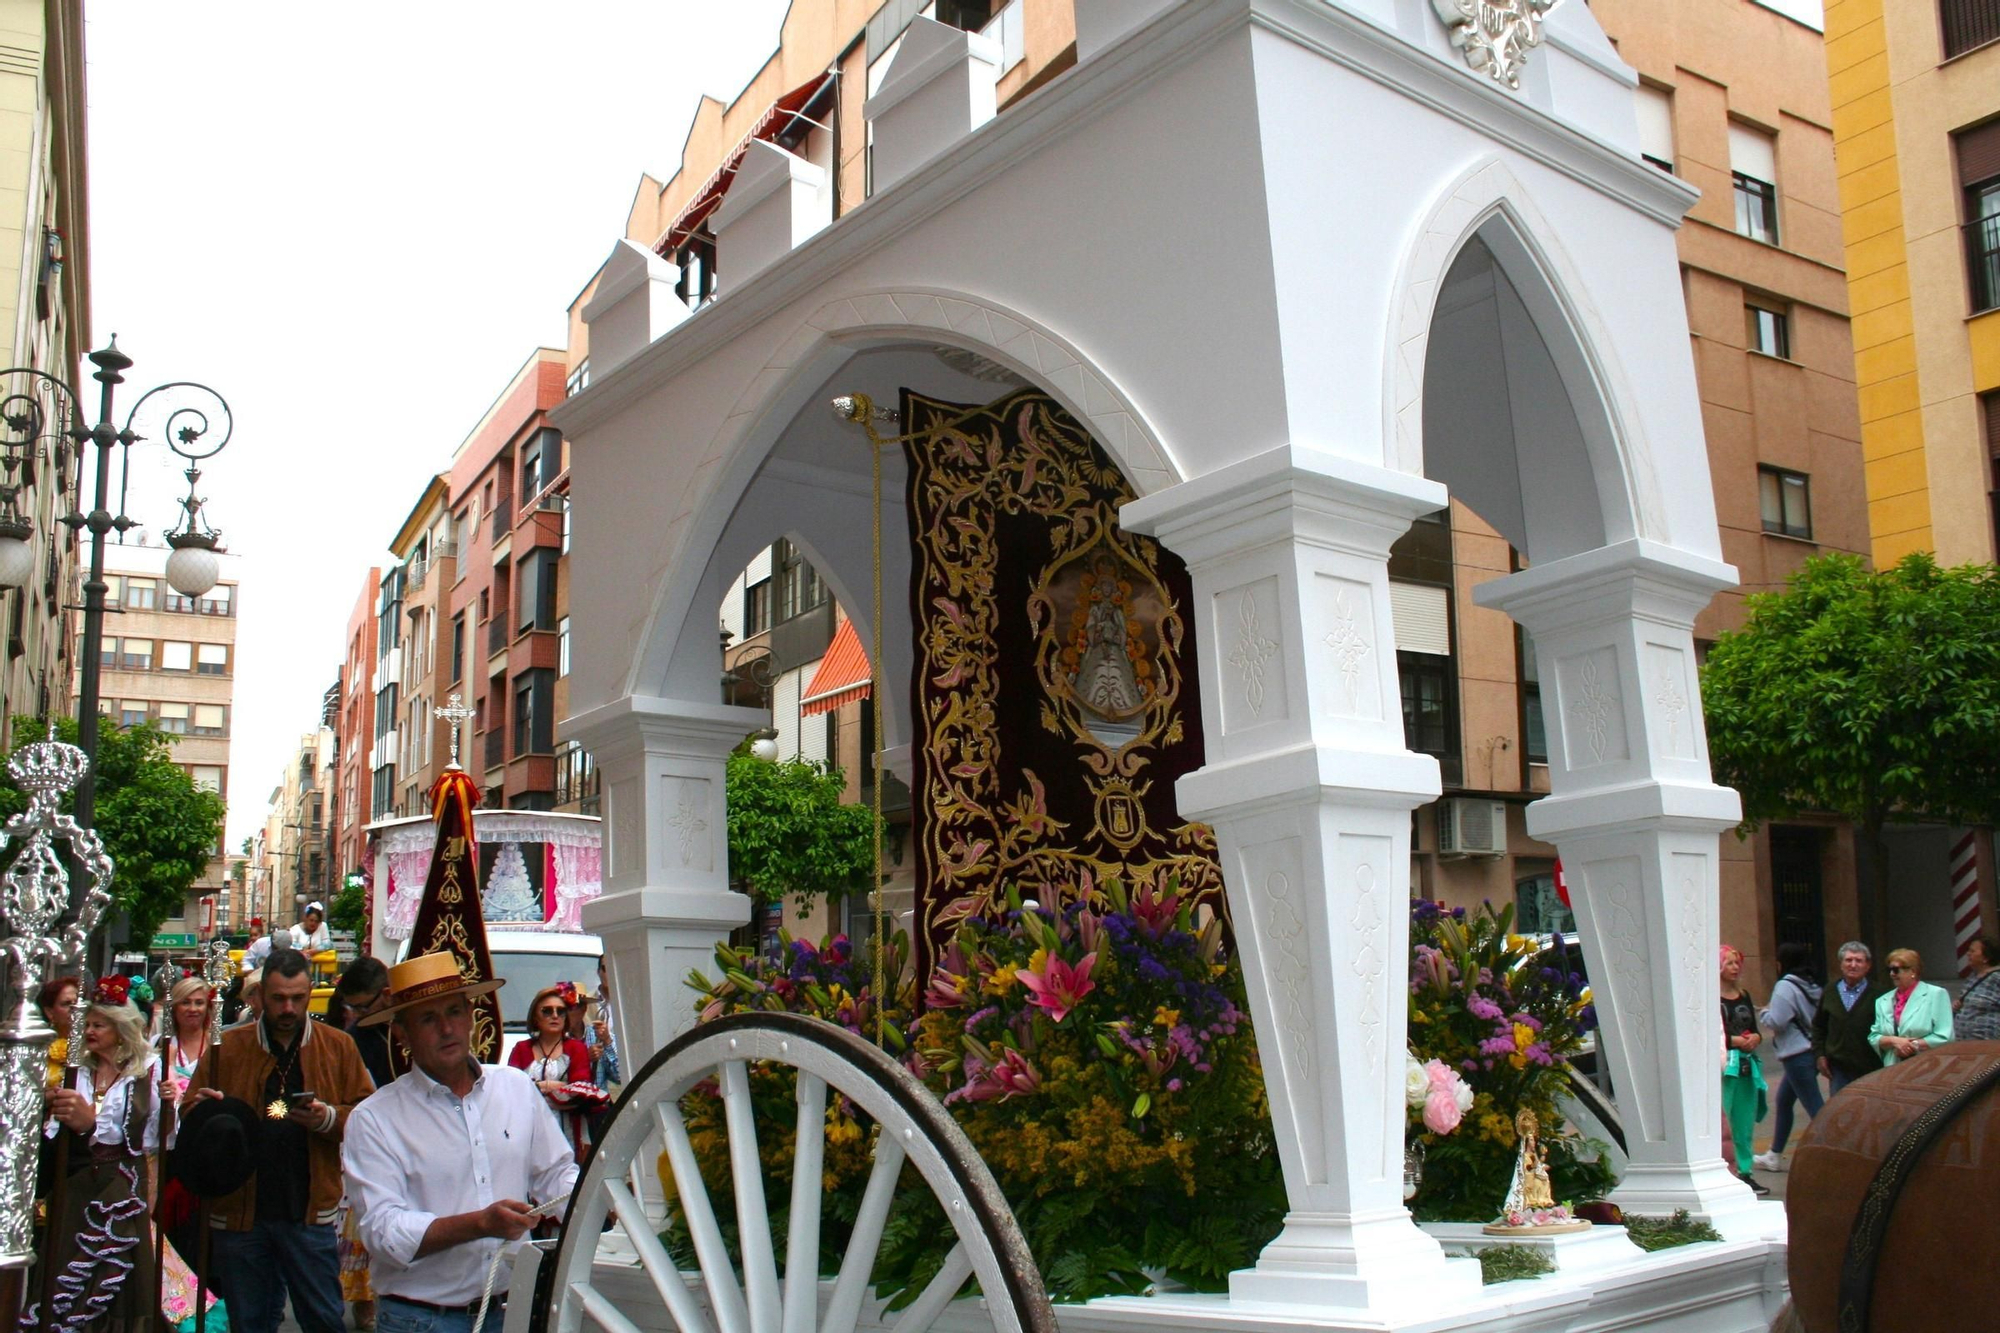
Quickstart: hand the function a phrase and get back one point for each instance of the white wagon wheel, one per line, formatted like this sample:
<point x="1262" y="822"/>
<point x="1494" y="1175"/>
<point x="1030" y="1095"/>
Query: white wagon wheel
<point x="915" y="1128"/>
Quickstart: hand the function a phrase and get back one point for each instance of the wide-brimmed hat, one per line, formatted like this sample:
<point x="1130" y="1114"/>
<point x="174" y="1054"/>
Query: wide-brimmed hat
<point x="215" y="1152"/>
<point x="430" y="976"/>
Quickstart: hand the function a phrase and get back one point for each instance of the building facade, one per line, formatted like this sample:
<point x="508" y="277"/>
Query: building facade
<point x="505" y="638"/>
<point x="354" y="727"/>
<point x="1916" y="120"/>
<point x="426" y="550"/>
<point x="44" y="324"/>
<point x="171" y="660"/>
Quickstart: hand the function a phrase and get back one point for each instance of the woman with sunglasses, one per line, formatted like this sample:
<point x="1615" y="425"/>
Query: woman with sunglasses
<point x="559" y="1063"/>
<point x="1914" y="1016"/>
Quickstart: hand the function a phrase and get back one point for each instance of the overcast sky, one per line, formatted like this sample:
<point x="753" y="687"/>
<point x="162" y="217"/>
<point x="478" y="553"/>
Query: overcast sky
<point x="356" y="222"/>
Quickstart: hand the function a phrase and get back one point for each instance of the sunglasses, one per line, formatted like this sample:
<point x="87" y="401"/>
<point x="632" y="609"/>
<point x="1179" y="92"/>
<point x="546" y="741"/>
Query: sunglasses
<point x="1897" y="967"/>
<point x="550" y="1011"/>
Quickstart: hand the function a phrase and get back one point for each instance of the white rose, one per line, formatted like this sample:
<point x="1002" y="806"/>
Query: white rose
<point x="1462" y="1094"/>
<point x="1416" y="1083"/>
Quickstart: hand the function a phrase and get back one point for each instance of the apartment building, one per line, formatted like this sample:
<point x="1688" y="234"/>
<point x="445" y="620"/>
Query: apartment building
<point x="426" y="550"/>
<point x="45" y="325"/>
<point x="298" y="827"/>
<point x="1916" y="121"/>
<point x="171" y="660"/>
<point x="506" y="645"/>
<point x="354" y="727"/>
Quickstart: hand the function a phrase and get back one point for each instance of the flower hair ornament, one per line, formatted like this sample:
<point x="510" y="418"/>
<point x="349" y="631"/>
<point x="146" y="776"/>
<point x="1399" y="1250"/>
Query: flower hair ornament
<point x="567" y="989"/>
<point x="112" y="990"/>
<point x="141" y="991"/>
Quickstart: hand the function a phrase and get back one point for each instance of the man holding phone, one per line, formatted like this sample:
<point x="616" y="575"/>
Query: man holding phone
<point x="275" y="1236"/>
<point x="451" y="1162"/>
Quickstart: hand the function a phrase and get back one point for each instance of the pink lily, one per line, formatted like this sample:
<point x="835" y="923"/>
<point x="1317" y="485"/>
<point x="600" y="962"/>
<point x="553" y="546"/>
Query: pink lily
<point x="1155" y="910"/>
<point x="1009" y="1076"/>
<point x="1061" y="986"/>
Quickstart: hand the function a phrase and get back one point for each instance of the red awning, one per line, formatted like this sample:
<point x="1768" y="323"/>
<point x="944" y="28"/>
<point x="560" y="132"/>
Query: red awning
<point x="771" y="124"/>
<point x="843" y="674"/>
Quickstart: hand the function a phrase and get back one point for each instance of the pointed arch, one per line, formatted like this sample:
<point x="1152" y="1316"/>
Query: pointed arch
<point x="1489" y="203"/>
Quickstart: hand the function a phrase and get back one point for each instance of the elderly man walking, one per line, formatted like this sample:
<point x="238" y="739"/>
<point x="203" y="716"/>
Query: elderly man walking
<point x="275" y="1235"/>
<point x="1846" y="1012"/>
<point x="446" y="1165"/>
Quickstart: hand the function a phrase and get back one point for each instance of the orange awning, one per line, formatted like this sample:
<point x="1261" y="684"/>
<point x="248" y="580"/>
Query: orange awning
<point x="772" y="123"/>
<point x="843" y="674"/>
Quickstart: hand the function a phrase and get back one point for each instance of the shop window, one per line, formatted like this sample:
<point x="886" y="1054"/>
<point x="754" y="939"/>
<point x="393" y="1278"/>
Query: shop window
<point x="1538" y="908"/>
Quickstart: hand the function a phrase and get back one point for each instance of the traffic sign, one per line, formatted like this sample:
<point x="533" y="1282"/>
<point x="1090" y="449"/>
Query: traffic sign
<point x="175" y="941"/>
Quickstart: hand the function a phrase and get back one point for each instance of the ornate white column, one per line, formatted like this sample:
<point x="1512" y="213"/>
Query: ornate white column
<point x="666" y="898"/>
<point x="1636" y="818"/>
<point x="1309" y="788"/>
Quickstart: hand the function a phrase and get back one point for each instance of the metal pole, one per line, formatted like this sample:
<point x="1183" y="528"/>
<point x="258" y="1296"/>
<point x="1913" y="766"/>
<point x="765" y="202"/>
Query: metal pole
<point x="111" y="365"/>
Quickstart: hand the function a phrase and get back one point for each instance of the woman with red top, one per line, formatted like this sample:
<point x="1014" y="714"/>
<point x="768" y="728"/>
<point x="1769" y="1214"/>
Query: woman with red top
<point x="557" y="1062"/>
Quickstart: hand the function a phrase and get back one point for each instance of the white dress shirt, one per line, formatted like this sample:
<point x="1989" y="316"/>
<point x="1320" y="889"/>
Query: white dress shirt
<point x="415" y="1152"/>
<point x="117" y="1101"/>
<point x="254" y="956"/>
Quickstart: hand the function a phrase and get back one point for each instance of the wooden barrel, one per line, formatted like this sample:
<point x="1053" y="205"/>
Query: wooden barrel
<point x="1890" y="1199"/>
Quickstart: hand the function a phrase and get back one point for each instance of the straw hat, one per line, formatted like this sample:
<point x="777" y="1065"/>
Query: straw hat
<point x="430" y="976"/>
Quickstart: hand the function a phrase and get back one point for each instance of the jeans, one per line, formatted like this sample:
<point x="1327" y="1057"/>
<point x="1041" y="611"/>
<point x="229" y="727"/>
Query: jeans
<point x="1840" y="1078"/>
<point x="1801" y="1084"/>
<point x="397" y="1316"/>
<point x="255" y="1269"/>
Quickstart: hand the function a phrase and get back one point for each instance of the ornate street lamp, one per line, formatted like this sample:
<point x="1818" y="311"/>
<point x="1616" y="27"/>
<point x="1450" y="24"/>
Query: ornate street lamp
<point x="33" y="942"/>
<point x="42" y="415"/>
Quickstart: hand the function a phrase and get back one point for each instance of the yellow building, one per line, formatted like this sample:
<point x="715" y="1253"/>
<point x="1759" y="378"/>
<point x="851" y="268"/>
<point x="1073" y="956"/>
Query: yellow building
<point x="1916" y="124"/>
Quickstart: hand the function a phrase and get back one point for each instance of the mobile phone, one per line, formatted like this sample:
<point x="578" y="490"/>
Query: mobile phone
<point x="300" y="1098"/>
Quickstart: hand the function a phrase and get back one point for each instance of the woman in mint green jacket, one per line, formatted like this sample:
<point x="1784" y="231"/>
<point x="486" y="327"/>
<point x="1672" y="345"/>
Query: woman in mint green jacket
<point x="1914" y="1016"/>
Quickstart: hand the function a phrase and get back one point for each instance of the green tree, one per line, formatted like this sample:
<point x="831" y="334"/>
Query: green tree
<point x="160" y="828"/>
<point x="1870" y="695"/>
<point x="789" y="833"/>
<point x="346" y="910"/>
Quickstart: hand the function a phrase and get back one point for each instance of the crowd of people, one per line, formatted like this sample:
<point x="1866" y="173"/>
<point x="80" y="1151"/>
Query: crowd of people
<point x="1839" y="1032"/>
<point x="288" y="1161"/>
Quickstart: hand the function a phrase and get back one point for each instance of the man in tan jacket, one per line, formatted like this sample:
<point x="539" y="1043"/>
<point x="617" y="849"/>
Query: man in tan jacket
<point x="276" y="1234"/>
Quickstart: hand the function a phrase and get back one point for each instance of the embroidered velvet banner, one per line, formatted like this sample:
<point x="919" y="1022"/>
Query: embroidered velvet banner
<point x="448" y="919"/>
<point x="1054" y="691"/>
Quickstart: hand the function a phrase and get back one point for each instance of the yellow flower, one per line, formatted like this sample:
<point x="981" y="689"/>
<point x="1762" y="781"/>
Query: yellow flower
<point x="1524" y="1037"/>
<point x="1166" y="1017"/>
<point x="1001" y="980"/>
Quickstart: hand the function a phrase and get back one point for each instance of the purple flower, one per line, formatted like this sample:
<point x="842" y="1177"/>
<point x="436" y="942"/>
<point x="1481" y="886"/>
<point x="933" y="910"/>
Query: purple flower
<point x="1481" y="1007"/>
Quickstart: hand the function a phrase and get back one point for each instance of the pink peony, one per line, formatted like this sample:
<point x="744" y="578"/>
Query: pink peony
<point x="1441" y="1113"/>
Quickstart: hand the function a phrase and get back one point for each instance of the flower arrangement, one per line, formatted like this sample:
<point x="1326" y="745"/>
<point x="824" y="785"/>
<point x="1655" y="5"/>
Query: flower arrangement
<point x="1504" y="1016"/>
<point x="1096" y="1053"/>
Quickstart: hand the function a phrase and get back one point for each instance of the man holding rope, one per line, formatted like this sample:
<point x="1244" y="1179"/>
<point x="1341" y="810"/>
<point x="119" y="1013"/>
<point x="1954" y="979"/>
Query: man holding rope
<point x="446" y="1166"/>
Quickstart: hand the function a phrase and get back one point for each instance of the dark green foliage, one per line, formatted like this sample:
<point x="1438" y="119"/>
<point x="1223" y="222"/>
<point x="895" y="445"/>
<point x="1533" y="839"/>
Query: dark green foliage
<point x="1511" y="1263"/>
<point x="1870" y="695"/>
<point x="158" y="826"/>
<point x="1663" y="1233"/>
<point x="345" y="911"/>
<point x="789" y="833"/>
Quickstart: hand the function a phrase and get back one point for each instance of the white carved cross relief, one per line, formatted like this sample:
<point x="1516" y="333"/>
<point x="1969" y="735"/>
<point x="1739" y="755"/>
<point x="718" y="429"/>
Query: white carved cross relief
<point x="1350" y="648"/>
<point x="1593" y="707"/>
<point x="1250" y="652"/>
<point x="688" y="820"/>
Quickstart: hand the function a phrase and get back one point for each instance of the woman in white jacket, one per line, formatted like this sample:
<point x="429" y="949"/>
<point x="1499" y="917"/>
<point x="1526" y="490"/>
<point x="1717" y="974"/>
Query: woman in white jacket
<point x="1789" y="1017"/>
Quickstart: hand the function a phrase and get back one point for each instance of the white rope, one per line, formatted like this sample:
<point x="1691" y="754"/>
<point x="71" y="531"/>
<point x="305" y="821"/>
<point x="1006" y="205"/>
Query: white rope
<point x="486" y="1290"/>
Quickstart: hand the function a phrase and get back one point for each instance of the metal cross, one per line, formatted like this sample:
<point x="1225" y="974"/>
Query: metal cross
<point x="455" y="710"/>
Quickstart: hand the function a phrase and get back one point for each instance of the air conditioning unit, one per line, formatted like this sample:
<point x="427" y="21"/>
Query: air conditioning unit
<point x="1468" y="827"/>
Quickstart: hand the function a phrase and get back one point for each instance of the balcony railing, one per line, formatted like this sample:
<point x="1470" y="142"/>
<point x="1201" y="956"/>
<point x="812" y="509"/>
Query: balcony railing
<point x="503" y="516"/>
<point x="1982" y="259"/>
<point x="496" y="748"/>
<point x="419" y="570"/>
<point x="496" y="633"/>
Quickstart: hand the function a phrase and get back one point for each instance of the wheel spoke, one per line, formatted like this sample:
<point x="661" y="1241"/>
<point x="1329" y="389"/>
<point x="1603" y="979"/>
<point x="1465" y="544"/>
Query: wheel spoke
<point x="858" y="1264"/>
<point x="802" y="1244"/>
<point x="753" y="1223"/>
<point x="599" y="1307"/>
<point x="937" y="1294"/>
<point x="659" y="1265"/>
<point x="725" y="1298"/>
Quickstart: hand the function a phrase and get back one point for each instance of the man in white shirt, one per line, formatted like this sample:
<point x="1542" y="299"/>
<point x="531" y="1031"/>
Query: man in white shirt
<point x="445" y="1165"/>
<point x="311" y="934"/>
<point x="259" y="947"/>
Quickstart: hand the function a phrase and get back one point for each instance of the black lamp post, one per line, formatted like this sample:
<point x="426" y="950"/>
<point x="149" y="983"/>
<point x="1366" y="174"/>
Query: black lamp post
<point x="39" y="408"/>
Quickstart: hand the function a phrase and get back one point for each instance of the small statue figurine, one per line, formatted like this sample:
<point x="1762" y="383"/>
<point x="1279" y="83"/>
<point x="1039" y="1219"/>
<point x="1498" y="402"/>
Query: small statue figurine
<point x="1531" y="1205"/>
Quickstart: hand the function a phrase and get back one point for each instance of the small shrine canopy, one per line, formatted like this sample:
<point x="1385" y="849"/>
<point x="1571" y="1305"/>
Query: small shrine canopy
<point x="539" y="889"/>
<point x="843" y="675"/>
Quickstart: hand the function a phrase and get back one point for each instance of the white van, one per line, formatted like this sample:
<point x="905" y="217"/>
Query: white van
<point x="528" y="960"/>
